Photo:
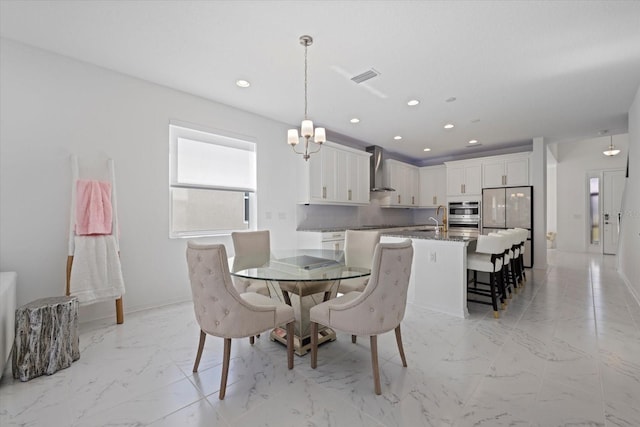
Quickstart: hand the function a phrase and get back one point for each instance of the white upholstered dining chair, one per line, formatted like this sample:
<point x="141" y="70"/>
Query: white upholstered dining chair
<point x="379" y="308"/>
<point x="358" y="252"/>
<point x="252" y="249"/>
<point x="223" y="312"/>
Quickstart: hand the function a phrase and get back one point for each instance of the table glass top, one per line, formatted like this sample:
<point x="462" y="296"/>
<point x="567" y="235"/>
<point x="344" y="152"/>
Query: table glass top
<point x="302" y="265"/>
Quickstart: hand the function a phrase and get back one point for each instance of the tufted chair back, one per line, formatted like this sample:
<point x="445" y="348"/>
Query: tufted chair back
<point x="378" y="309"/>
<point x="252" y="249"/>
<point x="359" y="247"/>
<point x="358" y="252"/>
<point x="219" y="309"/>
<point x="381" y="306"/>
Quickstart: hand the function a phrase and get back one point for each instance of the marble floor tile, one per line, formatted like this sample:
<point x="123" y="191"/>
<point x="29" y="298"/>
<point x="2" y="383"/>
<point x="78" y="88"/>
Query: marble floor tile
<point x="563" y="353"/>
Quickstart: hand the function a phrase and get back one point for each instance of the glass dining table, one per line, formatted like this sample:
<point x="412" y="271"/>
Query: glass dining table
<point x="300" y="278"/>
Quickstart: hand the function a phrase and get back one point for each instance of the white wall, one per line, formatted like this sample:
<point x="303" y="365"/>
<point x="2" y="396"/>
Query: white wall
<point x="575" y="159"/>
<point x="629" y="243"/>
<point x="538" y="165"/>
<point x="52" y="106"/>
<point x="552" y="190"/>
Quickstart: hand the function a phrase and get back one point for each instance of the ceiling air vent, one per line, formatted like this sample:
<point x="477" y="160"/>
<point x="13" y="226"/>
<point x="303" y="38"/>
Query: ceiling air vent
<point x="367" y="75"/>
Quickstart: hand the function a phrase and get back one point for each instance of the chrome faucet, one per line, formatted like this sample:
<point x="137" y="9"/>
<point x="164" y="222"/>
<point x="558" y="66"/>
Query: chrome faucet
<point x="437" y="224"/>
<point x="444" y="216"/>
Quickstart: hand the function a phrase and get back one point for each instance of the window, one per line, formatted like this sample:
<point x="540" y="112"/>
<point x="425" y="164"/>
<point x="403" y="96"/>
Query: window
<point x="212" y="182"/>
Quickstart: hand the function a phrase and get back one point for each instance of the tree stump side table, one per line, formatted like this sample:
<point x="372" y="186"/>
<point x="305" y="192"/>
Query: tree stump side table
<point x="46" y="337"/>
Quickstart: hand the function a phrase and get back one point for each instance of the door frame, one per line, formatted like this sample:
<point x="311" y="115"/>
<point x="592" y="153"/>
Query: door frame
<point x="595" y="173"/>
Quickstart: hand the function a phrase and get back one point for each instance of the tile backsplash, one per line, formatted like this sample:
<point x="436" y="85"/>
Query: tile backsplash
<point x="326" y="216"/>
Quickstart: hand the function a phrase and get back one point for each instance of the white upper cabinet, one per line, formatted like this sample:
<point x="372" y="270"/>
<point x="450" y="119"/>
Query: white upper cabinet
<point x="336" y="175"/>
<point x="403" y="178"/>
<point x="505" y="171"/>
<point x="464" y="178"/>
<point x="433" y="186"/>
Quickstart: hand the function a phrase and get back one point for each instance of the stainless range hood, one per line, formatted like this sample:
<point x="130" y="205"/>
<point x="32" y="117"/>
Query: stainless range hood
<point x="376" y="169"/>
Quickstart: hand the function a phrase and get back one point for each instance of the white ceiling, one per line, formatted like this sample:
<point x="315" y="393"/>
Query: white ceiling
<point x="562" y="70"/>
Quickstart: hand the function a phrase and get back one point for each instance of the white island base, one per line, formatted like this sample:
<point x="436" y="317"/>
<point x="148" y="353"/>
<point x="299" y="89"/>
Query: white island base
<point x="439" y="271"/>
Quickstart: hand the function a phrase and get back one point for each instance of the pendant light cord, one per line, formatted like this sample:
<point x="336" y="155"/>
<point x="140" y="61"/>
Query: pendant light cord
<point x="305" y="80"/>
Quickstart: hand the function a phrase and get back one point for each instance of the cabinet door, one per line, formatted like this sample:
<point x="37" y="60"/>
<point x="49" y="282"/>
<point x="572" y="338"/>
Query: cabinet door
<point x="493" y="174"/>
<point x="411" y="184"/>
<point x="394" y="179"/>
<point x="316" y="182"/>
<point x="517" y="172"/>
<point x="342" y="176"/>
<point x="427" y="184"/>
<point x="473" y="180"/>
<point x="360" y="179"/>
<point x="455" y="181"/>
<point x="433" y="186"/>
<point x="440" y="186"/>
<point x="329" y="174"/>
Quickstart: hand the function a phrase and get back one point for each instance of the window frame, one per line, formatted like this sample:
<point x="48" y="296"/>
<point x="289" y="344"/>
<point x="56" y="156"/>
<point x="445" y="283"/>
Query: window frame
<point x="184" y="130"/>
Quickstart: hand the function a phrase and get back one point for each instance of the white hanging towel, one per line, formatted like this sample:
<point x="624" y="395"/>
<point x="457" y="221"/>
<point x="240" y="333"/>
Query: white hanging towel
<point x="96" y="274"/>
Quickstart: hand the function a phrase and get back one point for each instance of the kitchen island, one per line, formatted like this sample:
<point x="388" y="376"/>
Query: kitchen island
<point x="439" y="271"/>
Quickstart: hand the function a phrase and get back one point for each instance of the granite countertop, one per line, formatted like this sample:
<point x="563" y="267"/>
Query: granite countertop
<point x="431" y="235"/>
<point x="364" y="227"/>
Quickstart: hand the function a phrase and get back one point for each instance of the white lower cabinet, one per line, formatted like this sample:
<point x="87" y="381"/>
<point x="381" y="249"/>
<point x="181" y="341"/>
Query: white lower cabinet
<point x="331" y="240"/>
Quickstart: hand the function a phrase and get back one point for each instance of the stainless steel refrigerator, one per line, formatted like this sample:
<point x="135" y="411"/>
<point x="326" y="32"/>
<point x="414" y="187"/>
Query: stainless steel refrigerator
<point x="509" y="207"/>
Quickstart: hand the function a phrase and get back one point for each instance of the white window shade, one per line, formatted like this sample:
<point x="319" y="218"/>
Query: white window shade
<point x="221" y="166"/>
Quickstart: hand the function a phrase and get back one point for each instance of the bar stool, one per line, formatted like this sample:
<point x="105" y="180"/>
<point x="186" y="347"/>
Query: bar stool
<point x="524" y="234"/>
<point x="505" y="275"/>
<point x="488" y="258"/>
<point x="514" y="254"/>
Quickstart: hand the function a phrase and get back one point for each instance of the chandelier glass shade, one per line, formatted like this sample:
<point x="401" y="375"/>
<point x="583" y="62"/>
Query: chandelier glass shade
<point x="307" y="130"/>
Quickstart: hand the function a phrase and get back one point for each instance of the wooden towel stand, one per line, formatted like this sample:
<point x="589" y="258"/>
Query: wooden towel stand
<point x="119" y="306"/>
<point x="112" y="177"/>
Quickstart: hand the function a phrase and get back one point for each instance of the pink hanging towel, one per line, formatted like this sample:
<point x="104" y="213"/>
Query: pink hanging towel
<point x="93" y="207"/>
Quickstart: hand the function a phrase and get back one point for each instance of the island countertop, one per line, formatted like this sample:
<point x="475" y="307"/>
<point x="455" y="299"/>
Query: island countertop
<point x="364" y="227"/>
<point x="446" y="236"/>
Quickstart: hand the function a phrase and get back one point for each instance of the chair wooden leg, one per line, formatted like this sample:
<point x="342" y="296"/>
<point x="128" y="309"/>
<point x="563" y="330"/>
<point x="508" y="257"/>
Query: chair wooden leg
<point x="314" y="345"/>
<point x="119" y="311"/>
<point x="400" y="348"/>
<point x="354" y="338"/>
<point x="374" y="363"/>
<point x="225" y="368"/>
<point x="290" y="333"/>
<point x="203" y="337"/>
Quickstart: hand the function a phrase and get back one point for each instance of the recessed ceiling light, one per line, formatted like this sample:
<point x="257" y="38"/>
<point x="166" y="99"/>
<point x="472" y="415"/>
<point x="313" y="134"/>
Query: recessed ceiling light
<point x="413" y="102"/>
<point x="242" y="83"/>
<point x="473" y="141"/>
<point x="397" y="137"/>
<point x="427" y="149"/>
<point x="453" y="98"/>
<point x="355" y="120"/>
<point x="449" y="126"/>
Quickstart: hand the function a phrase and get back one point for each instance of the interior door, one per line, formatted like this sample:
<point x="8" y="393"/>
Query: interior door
<point x="613" y="185"/>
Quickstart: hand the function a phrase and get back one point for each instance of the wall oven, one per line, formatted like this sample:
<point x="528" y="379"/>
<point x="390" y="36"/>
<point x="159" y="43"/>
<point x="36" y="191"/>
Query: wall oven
<point x="464" y="215"/>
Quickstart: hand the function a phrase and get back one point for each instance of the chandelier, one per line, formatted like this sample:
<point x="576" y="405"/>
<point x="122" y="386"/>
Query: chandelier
<point x="306" y="128"/>
<point x="611" y="151"/>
